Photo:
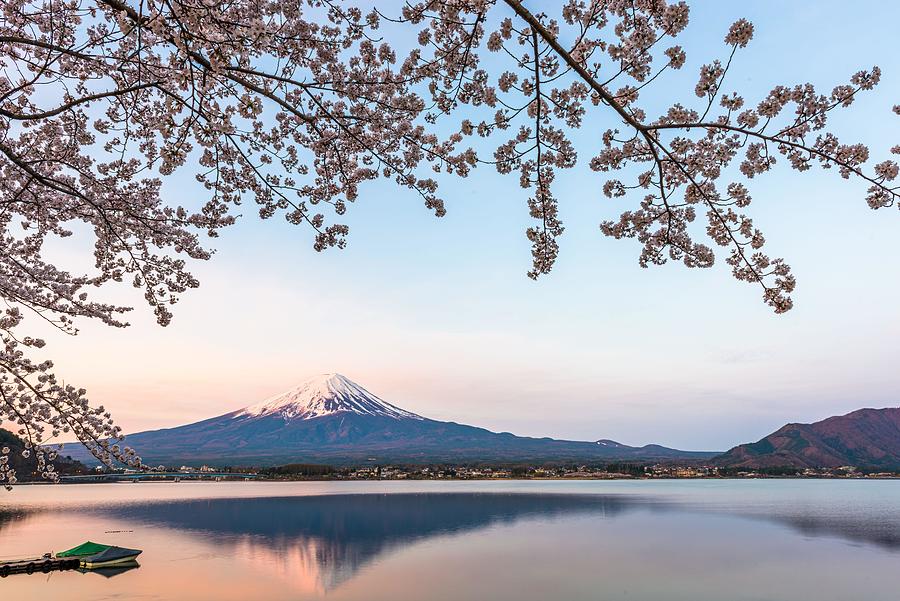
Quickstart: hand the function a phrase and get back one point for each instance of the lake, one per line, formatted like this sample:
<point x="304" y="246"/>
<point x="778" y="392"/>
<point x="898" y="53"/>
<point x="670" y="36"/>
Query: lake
<point x="691" y="540"/>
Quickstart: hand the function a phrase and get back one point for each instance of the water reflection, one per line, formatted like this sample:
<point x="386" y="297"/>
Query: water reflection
<point x="514" y="542"/>
<point x="9" y="515"/>
<point x="112" y="571"/>
<point x="883" y="531"/>
<point x="374" y="522"/>
<point x="325" y="540"/>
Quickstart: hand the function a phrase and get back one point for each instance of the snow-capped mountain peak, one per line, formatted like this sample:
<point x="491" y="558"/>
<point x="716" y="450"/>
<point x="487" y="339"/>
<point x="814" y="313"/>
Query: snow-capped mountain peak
<point x="322" y="395"/>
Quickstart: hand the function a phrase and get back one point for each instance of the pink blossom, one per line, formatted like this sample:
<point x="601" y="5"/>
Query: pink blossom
<point x="740" y="33"/>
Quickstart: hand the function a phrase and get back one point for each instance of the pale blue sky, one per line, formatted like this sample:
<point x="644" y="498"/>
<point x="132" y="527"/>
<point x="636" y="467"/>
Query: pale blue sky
<point x="437" y="316"/>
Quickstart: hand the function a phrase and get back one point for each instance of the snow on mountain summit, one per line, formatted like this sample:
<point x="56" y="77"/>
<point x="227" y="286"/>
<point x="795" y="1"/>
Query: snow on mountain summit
<point x="322" y="395"/>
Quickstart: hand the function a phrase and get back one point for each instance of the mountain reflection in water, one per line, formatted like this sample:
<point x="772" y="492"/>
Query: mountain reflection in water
<point x="330" y="537"/>
<point x="779" y="540"/>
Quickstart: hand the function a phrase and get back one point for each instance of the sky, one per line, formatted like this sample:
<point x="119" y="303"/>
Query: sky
<point x="437" y="315"/>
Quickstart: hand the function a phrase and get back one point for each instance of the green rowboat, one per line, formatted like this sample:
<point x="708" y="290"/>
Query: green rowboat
<point x="94" y="555"/>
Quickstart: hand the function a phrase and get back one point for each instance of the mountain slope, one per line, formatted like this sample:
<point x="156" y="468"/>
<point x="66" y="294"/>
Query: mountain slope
<point x="865" y="438"/>
<point x="330" y="419"/>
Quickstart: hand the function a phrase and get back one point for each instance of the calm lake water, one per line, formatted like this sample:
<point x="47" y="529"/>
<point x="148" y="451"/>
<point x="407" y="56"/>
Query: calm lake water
<point x="524" y="541"/>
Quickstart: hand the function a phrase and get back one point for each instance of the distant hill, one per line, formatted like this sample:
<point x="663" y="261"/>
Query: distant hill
<point x="330" y="419"/>
<point x="867" y="438"/>
<point x="25" y="467"/>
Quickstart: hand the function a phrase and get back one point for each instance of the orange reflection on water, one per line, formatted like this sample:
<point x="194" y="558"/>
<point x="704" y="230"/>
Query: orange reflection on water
<point x="781" y="541"/>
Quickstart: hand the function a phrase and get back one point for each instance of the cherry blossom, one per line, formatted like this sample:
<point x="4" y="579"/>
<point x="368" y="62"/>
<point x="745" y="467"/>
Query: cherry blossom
<point x="293" y="105"/>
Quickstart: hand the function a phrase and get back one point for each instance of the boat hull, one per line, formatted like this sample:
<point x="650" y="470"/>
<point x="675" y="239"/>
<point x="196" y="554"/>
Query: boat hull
<point x="106" y="563"/>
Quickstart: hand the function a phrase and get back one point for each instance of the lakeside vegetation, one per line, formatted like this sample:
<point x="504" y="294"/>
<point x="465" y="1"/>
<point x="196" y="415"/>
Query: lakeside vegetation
<point x="299" y="472"/>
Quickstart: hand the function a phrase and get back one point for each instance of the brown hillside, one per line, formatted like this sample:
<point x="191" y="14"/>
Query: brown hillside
<point x="865" y="438"/>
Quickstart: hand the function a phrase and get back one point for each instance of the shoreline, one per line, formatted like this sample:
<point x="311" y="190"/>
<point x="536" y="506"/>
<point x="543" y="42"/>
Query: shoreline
<point x="167" y="480"/>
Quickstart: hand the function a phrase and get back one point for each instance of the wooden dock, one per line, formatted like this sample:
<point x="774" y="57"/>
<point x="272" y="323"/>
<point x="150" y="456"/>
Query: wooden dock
<point x="38" y="564"/>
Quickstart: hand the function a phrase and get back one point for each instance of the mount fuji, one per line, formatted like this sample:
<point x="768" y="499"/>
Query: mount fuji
<point x="330" y="419"/>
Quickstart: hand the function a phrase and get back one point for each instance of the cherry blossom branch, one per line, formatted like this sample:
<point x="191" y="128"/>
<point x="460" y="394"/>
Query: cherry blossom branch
<point x="296" y="106"/>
